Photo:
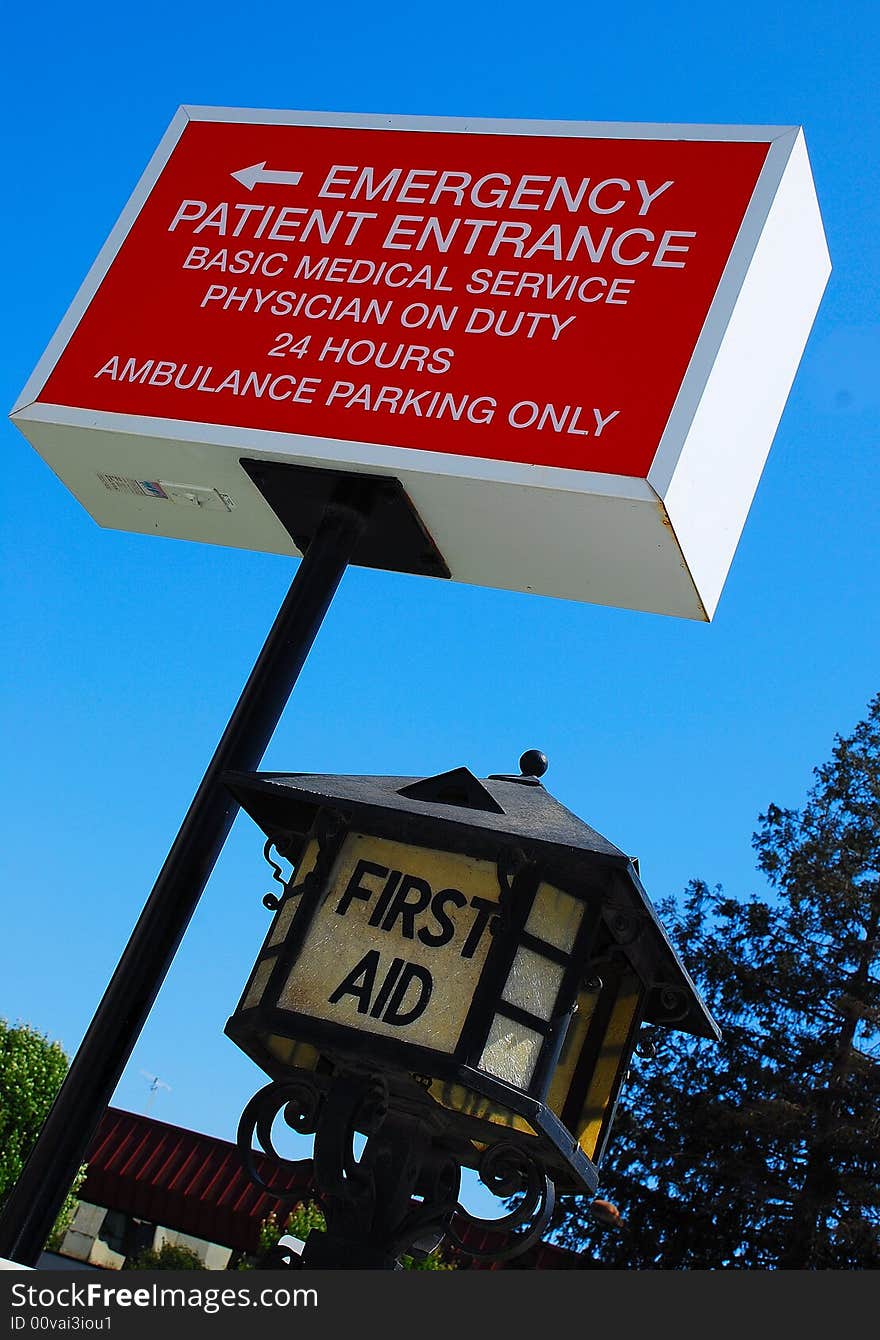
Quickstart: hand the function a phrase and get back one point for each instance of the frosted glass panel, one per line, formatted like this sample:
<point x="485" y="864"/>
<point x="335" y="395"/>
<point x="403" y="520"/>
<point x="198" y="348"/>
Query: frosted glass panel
<point x="555" y="917"/>
<point x="511" y="1051"/>
<point x="283" y="920"/>
<point x="365" y="963"/>
<point x="533" y="983"/>
<point x="258" y="984"/>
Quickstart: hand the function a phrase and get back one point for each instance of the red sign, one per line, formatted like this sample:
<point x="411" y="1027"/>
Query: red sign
<point x="576" y="331"/>
<point x="529" y="299"/>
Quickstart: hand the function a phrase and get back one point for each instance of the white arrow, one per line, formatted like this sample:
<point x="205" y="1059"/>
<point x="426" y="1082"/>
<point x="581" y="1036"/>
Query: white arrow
<point x="249" y="176"/>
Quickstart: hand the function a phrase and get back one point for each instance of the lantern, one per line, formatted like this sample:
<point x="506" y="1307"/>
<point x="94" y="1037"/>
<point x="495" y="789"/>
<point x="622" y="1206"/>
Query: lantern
<point x="473" y="943"/>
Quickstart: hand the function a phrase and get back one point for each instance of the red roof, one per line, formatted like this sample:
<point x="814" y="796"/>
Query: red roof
<point x="196" y="1184"/>
<point x="183" y="1180"/>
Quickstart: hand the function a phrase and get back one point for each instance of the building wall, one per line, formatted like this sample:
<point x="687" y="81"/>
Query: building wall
<point x="106" y="1238"/>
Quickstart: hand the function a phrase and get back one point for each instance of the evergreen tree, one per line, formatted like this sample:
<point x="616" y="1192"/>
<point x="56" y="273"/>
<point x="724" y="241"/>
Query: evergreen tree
<point x="763" y="1152"/>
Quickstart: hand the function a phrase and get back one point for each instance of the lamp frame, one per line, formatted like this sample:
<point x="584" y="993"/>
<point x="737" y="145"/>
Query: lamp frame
<point x="519" y="876"/>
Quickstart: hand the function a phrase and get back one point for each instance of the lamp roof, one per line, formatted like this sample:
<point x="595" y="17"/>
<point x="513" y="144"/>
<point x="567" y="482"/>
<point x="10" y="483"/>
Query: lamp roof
<point x="518" y="809"/>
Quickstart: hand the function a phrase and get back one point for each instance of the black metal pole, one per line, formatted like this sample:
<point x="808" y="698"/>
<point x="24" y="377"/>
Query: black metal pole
<point x="96" y="1068"/>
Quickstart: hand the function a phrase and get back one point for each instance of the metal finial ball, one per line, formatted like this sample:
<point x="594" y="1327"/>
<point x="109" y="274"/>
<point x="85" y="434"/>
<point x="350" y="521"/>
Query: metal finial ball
<point x="533" y="763"/>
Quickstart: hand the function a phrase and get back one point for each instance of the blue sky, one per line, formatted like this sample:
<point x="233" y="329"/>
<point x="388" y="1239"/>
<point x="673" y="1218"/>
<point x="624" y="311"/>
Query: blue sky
<point x="124" y="655"/>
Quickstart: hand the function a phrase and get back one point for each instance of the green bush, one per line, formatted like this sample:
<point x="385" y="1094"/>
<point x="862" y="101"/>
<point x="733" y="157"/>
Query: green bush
<point x="66" y="1213"/>
<point x="169" y="1256"/>
<point x="307" y="1216"/>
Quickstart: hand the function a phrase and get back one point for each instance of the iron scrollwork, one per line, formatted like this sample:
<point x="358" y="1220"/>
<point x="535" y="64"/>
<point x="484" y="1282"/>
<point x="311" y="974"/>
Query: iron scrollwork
<point x="402" y="1192"/>
<point x="330" y="825"/>
<point x="300" y="1100"/>
<point x="671" y="1004"/>
<point x="271" y="900"/>
<point x="506" y="1170"/>
<point x="624" y="924"/>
